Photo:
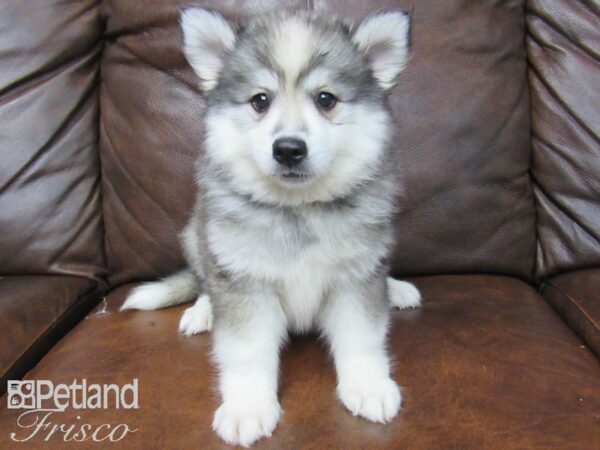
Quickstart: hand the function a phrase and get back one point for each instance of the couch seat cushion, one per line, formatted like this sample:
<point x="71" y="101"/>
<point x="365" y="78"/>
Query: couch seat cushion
<point x="485" y="363"/>
<point x="36" y="311"/>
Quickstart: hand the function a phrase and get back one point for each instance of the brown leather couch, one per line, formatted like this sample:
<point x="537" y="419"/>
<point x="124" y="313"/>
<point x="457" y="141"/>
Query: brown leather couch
<point x="499" y="148"/>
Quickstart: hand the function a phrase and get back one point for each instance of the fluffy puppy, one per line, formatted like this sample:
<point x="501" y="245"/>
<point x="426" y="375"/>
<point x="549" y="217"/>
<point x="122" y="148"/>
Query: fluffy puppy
<point x="292" y="227"/>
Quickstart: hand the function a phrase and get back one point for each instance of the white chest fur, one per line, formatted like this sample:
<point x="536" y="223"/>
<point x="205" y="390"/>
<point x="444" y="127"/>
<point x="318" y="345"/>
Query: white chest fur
<point x="299" y="254"/>
<point x="303" y="294"/>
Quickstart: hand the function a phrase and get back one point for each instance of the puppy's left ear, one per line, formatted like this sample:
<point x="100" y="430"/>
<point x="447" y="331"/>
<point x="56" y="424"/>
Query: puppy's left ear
<point x="384" y="38"/>
<point x="207" y="39"/>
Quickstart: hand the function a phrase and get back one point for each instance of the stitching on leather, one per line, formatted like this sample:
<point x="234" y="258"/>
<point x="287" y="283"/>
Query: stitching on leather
<point x="144" y="61"/>
<point x="116" y="158"/>
<point x="574" y="302"/>
<point x="125" y="210"/>
<point x="149" y="238"/>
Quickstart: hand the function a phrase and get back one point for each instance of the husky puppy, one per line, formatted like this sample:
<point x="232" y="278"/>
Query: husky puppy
<point x="292" y="228"/>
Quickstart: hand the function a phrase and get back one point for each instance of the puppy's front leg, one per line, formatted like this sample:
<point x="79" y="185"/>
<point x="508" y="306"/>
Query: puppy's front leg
<point x="355" y="322"/>
<point x="249" y="330"/>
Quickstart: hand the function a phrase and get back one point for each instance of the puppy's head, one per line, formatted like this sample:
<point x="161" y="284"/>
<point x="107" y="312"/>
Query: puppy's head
<point x="296" y="103"/>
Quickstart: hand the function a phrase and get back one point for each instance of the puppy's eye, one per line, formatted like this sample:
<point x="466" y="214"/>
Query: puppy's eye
<point x="260" y="102"/>
<point x="325" y="100"/>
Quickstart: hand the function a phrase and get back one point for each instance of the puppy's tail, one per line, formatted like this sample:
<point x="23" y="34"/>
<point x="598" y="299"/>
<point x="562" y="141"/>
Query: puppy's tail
<point x="181" y="287"/>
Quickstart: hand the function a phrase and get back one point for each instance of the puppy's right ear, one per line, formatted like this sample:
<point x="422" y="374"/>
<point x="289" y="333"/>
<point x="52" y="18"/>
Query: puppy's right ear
<point x="384" y="39"/>
<point x="207" y="38"/>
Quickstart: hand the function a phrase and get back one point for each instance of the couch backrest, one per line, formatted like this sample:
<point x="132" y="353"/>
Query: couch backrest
<point x="50" y="207"/>
<point x="462" y="108"/>
<point x="564" y="50"/>
<point x="463" y="136"/>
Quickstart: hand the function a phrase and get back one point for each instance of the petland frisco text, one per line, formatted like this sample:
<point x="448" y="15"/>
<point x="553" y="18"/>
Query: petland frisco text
<point x="45" y="404"/>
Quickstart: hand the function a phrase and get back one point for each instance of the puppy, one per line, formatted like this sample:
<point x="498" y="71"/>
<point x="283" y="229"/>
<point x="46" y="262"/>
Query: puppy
<point x="292" y="226"/>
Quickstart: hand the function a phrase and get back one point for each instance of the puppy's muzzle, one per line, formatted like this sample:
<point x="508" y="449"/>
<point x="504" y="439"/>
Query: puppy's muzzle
<point x="289" y="152"/>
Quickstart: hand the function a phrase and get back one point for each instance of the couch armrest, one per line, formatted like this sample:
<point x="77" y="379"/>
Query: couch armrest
<point x="35" y="312"/>
<point x="576" y="297"/>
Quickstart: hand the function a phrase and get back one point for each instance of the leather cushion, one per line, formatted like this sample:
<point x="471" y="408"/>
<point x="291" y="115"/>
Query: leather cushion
<point x="576" y="296"/>
<point x="462" y="109"/>
<point x="486" y="363"/>
<point x="35" y="312"/>
<point x="50" y="210"/>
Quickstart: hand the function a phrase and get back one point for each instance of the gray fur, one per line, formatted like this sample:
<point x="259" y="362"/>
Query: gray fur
<point x="284" y="232"/>
<point x="255" y="49"/>
<point x="366" y="213"/>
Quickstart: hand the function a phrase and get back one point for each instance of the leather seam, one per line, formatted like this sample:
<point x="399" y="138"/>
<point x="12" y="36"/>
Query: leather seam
<point x="573" y="301"/>
<point x="96" y="290"/>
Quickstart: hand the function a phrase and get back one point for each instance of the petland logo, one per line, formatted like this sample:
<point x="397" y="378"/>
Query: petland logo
<point x="44" y="403"/>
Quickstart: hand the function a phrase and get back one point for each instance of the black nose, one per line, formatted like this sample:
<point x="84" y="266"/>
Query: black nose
<point x="289" y="151"/>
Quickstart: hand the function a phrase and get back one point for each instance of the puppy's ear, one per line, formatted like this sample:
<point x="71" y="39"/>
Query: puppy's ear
<point x="385" y="39"/>
<point x="207" y="38"/>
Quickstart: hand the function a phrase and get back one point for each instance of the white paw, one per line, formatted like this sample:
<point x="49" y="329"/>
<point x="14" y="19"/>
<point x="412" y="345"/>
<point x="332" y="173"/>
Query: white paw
<point x="403" y="295"/>
<point x="197" y="318"/>
<point x="239" y="424"/>
<point x="377" y="401"/>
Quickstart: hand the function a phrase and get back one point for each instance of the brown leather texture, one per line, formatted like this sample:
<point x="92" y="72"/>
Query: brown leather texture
<point x="462" y="108"/>
<point x="563" y="44"/>
<point x="576" y="297"/>
<point x="50" y="211"/>
<point x="484" y="364"/>
<point x="35" y="312"/>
